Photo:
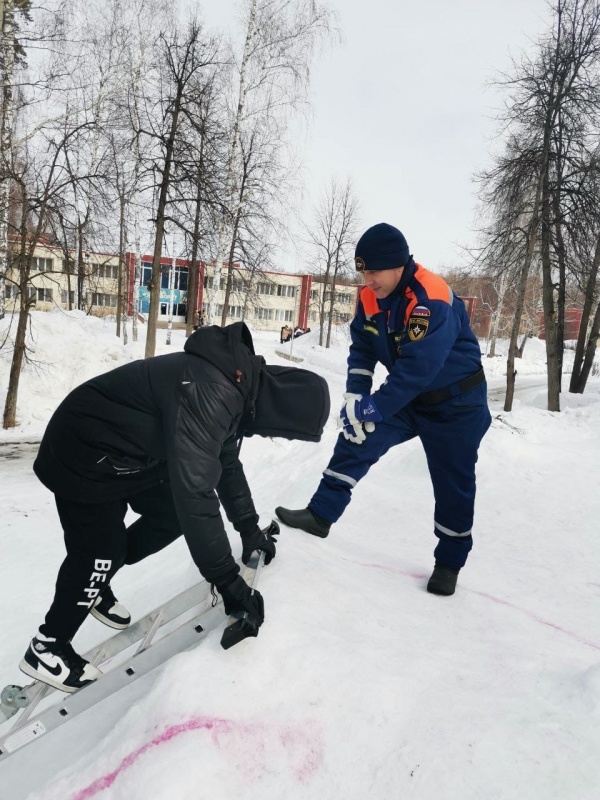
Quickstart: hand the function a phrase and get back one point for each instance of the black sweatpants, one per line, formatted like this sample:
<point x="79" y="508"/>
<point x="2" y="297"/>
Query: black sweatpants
<point x="98" y="544"/>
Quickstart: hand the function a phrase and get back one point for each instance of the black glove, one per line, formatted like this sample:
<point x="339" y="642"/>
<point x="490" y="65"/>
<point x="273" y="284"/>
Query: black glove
<point x="262" y="540"/>
<point x="238" y="596"/>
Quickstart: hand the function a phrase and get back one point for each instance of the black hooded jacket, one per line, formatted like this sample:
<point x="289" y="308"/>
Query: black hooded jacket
<point x="180" y="417"/>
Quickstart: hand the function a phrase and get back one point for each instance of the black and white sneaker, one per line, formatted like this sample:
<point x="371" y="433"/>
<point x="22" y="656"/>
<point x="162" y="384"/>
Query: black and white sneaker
<point x="57" y="664"/>
<point x="109" y="611"/>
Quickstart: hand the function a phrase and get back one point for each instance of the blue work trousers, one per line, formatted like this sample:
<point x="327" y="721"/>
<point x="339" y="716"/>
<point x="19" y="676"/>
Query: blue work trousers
<point x="450" y="432"/>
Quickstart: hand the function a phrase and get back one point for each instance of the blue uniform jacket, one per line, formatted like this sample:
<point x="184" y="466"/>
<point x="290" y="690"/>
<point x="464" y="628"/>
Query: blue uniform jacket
<point x="421" y="334"/>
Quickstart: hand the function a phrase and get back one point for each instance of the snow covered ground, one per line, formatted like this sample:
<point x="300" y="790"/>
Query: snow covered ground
<point x="360" y="684"/>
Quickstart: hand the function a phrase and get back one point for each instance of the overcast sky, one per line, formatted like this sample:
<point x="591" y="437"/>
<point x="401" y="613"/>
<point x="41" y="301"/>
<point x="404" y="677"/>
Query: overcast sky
<point x="403" y="108"/>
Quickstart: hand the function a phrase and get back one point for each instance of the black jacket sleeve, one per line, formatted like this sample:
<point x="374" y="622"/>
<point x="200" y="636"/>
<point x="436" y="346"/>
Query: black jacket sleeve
<point x="233" y="490"/>
<point x="205" y="415"/>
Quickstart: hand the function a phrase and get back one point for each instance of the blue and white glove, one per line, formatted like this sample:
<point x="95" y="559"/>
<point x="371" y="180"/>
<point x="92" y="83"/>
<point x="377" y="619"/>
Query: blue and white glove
<point x="358" y="416"/>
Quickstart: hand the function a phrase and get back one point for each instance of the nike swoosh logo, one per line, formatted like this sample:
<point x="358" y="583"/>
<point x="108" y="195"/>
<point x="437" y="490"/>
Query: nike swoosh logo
<point x="56" y="670"/>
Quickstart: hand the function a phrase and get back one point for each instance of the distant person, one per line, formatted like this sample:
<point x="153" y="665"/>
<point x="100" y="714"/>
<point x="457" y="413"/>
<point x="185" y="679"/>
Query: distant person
<point x="161" y="436"/>
<point x="285" y="334"/>
<point x="298" y="332"/>
<point x="409" y="320"/>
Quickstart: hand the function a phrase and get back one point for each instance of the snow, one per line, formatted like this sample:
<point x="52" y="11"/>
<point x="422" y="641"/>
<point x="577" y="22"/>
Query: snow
<point x="360" y="684"/>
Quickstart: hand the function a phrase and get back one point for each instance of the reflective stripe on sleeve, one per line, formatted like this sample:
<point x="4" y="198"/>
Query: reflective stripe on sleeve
<point x="339" y="476"/>
<point x="361" y="372"/>
<point x="449" y="532"/>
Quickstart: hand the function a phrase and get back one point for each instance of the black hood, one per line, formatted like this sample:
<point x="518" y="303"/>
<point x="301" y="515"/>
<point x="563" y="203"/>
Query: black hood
<point x="231" y="351"/>
<point x="292" y="403"/>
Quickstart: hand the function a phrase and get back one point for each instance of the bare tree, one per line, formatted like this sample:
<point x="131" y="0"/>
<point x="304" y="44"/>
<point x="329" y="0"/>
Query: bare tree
<point x="280" y="36"/>
<point x="185" y="55"/>
<point x="553" y="104"/>
<point x="332" y="237"/>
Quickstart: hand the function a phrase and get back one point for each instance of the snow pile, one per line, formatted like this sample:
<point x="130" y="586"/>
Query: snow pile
<point x="360" y="684"/>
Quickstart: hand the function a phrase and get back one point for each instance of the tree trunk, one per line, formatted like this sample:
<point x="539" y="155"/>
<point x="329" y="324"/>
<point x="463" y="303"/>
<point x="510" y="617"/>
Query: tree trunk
<point x="550" y="313"/>
<point x="238" y="215"/>
<point x="590" y="353"/>
<point x="7" y="60"/>
<point x="332" y="302"/>
<point x="160" y="229"/>
<point x="229" y="181"/>
<point x="24" y="262"/>
<point x="511" y="372"/>
<point x="588" y="304"/>
<point x="122" y="298"/>
<point x="193" y="283"/>
<point x="521" y="347"/>
<point x="497" y="315"/>
<point x="10" y="407"/>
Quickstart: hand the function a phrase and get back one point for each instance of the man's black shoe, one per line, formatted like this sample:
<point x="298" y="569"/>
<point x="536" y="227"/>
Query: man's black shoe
<point x="443" y="580"/>
<point x="305" y="520"/>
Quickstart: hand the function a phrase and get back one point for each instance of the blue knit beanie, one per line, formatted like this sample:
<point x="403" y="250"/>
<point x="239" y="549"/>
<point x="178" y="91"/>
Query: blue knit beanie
<point x="381" y="247"/>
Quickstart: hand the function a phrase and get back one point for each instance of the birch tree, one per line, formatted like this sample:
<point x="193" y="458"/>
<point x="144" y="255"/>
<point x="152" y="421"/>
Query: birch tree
<point x="10" y="49"/>
<point x="279" y="41"/>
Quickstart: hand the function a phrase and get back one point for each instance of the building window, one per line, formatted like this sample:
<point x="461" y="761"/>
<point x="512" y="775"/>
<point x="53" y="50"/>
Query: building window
<point x="108" y="271"/>
<point x="314" y="294"/>
<point x="146" y="274"/>
<point x="286" y="291"/>
<point x="209" y="282"/>
<point x="266" y="288"/>
<point x="343" y="298"/>
<point x="104" y="299"/>
<point x="10" y="291"/>
<point x="264" y="313"/>
<point x="284" y="315"/>
<point x="44" y="295"/>
<point x="67" y="298"/>
<point x="181" y="279"/>
<point x="42" y="264"/>
<point x="69" y="265"/>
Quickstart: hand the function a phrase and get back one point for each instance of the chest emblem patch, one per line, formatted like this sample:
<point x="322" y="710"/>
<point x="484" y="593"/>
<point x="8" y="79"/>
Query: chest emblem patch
<point x="417" y="327"/>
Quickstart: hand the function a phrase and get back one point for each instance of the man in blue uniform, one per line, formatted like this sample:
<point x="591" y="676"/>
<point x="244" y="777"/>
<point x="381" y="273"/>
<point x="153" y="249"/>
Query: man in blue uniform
<point x="409" y="320"/>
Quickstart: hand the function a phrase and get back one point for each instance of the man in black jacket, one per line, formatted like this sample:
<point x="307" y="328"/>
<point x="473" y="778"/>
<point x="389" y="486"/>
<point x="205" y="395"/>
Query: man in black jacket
<point x="161" y="436"/>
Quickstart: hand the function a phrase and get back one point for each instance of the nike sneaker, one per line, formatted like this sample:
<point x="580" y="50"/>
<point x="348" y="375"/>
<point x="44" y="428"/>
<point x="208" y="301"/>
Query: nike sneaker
<point x="109" y="611"/>
<point x="57" y="664"/>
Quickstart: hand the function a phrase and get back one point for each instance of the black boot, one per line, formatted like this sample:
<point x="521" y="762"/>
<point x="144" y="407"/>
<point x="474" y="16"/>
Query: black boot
<point x="443" y="580"/>
<point x="305" y="520"/>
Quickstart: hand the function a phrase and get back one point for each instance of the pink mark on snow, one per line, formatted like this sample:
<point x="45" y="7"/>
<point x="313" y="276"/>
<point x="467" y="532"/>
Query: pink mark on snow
<point x="303" y="745"/>
<point x="498" y="600"/>
<point x="536" y="618"/>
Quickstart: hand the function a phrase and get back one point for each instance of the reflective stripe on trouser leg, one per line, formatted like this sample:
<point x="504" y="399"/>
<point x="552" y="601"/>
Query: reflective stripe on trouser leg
<point x="351" y="462"/>
<point x="451" y="439"/>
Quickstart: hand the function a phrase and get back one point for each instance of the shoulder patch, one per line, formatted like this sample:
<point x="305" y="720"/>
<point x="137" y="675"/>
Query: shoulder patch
<point x="417" y="328"/>
<point x="421" y="311"/>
